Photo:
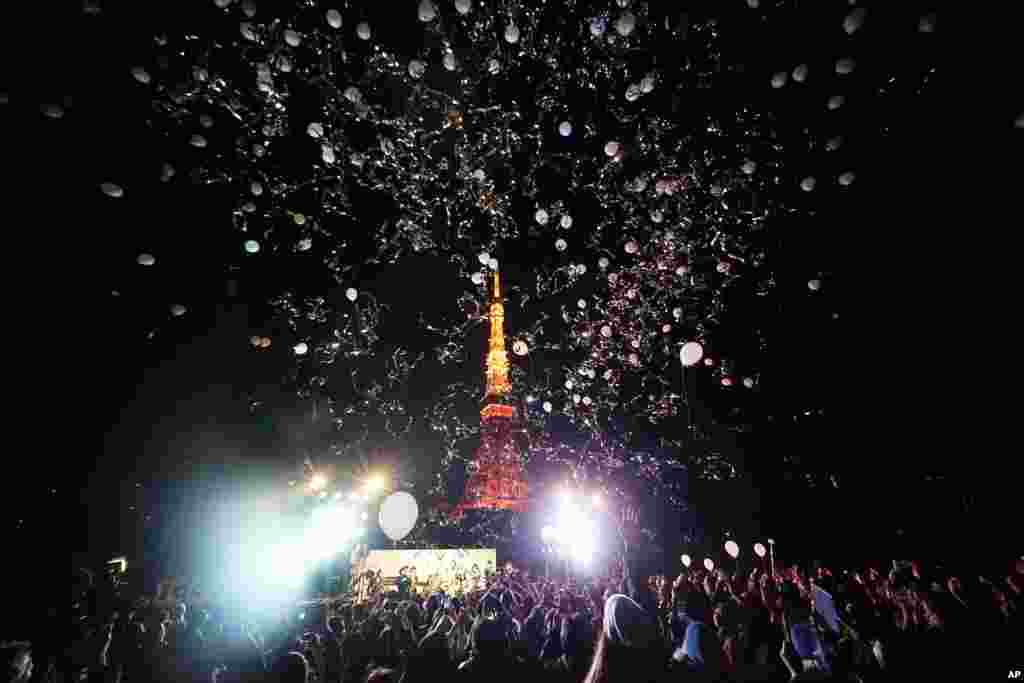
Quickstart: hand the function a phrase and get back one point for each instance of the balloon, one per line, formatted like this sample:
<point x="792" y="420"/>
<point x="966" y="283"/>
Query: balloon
<point x="427" y="11"/>
<point x="140" y="74"/>
<point x="363" y="30"/>
<point x="732" y="548"/>
<point x="846" y="179"/>
<point x="566" y="221"/>
<point x="685" y="560"/>
<point x="512" y="34"/>
<point x="814" y="285"/>
<point x="709" y="564"/>
<point x="845" y="66"/>
<point x="292" y="37"/>
<point x="177" y="310"/>
<point x="301" y="348"/>
<point x="611" y="149"/>
<point x="835" y="102"/>
<point x="625" y="24"/>
<point x="146" y="259"/>
<point x="398" y="515"/>
<point x="759" y="549"/>
<point x="691" y="353"/>
<point x="854" y="20"/>
<point x="334" y="18"/>
<point x="351" y="294"/>
<point x="520" y="348"/>
<point x="748" y="382"/>
<point x="463" y="6"/>
<point x="565" y="129"/>
<point x="807" y="184"/>
<point x="779" y="79"/>
<point x="112" y="190"/>
<point x="541" y="217"/>
<point x="800" y="73"/>
<point x="417" y="68"/>
<point x="561" y="244"/>
<point x="252" y="246"/>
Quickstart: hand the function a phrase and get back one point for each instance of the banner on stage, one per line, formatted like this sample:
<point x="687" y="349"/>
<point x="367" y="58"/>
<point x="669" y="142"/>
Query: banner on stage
<point x="449" y="569"/>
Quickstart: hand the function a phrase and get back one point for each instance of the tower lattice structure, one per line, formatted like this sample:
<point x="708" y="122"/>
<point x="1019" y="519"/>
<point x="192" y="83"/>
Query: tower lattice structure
<point x="497" y="478"/>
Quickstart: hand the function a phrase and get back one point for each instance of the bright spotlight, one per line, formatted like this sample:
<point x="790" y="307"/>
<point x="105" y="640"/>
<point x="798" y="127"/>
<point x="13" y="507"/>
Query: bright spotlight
<point x="686" y="560"/>
<point x="318" y="481"/>
<point x="375" y="485"/>
<point x="548" y="533"/>
<point x="597" y="500"/>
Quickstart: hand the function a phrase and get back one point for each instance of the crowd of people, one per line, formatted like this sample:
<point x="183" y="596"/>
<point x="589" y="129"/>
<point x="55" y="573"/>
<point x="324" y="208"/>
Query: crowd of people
<point x="870" y="624"/>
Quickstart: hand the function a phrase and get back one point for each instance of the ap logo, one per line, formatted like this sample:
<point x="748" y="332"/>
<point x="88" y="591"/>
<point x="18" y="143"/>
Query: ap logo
<point x="1015" y="675"/>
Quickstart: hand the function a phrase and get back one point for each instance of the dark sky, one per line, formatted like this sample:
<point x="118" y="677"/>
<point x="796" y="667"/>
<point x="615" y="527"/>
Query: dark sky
<point x="160" y="413"/>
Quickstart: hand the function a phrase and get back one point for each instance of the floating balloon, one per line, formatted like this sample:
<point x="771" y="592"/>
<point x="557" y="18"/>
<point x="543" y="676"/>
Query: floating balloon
<point x="561" y="244"/>
<point x="685" y="559"/>
<point x="417" y="69"/>
<point x="463" y="6"/>
<point x="398" y="515"/>
<point x="427" y="11"/>
<point x="846" y="179"/>
<point x="301" y="349"/>
<point x="363" y="30"/>
<point x="800" y="73"/>
<point x="845" y="66"/>
<point x="334" y="18"/>
<point x="292" y="37"/>
<point x="141" y="75"/>
<point x="709" y="564"/>
<point x="691" y="353"/>
<point x="512" y="34"/>
<point x="145" y="260"/>
<point x="611" y="148"/>
<point x="625" y="24"/>
<point x="520" y="348"/>
<point x="566" y="222"/>
<point x="252" y="246"/>
<point x="779" y="79"/>
<point x="748" y="382"/>
<point x="807" y="184"/>
<point x="351" y="294"/>
<point x="547" y="406"/>
<point x="177" y="310"/>
<point x="854" y="20"/>
<point x="541" y="217"/>
<point x="760" y="550"/>
<point x="305" y="244"/>
<point x="835" y="102"/>
<point x="814" y="285"/>
<point x="732" y="548"/>
<point x="565" y="129"/>
<point x="477" y="278"/>
<point x="112" y="190"/>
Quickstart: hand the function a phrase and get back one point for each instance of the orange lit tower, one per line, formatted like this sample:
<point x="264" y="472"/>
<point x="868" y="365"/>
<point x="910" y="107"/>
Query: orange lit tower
<point x="497" y="479"/>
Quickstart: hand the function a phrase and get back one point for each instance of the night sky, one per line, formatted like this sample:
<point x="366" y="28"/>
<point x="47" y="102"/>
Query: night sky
<point x="848" y="425"/>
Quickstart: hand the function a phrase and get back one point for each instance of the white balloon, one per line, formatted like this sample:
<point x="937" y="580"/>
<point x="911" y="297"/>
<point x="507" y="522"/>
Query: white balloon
<point x="541" y="217"/>
<point x="305" y="244"/>
<point x="463" y="6"/>
<point x="301" y="348"/>
<point x="145" y="260"/>
<point x="625" y="24"/>
<point x="484" y="258"/>
<point x="709" y="564"/>
<point x="427" y="11"/>
<point x="177" y="310"/>
<point x="732" y="548"/>
<point x="611" y="148"/>
<point x="547" y="406"/>
<point x="685" y="559"/>
<point x="561" y="244"/>
<point x="140" y="74"/>
<point x="603" y="263"/>
<point x="520" y="348"/>
<point x="363" y="30"/>
<point x="759" y="549"/>
<point x="800" y="73"/>
<point x="417" y="68"/>
<point x="315" y="130"/>
<point x="351" y="294"/>
<point x="814" y="285"/>
<point x="292" y="37"/>
<point x="477" y="278"/>
<point x="845" y="66"/>
<point x="334" y="18"/>
<point x="112" y="190"/>
<point x="398" y="515"/>
<point x="252" y="246"/>
<point x="779" y="79"/>
<point x="835" y="102"/>
<point x="565" y="129"/>
<point x="854" y="20"/>
<point x="493" y="264"/>
<point x="197" y="141"/>
<point x="566" y="221"/>
<point x="691" y="353"/>
<point x="748" y="382"/>
<point x="846" y="178"/>
<point x="807" y="184"/>
<point x="512" y="34"/>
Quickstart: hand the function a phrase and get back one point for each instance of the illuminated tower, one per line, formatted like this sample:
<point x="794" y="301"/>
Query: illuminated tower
<point x="497" y="479"/>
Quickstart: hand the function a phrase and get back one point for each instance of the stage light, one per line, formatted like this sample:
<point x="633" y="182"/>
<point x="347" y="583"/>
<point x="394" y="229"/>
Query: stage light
<point x="686" y="560"/>
<point x="375" y="484"/>
<point x="759" y="549"/>
<point x="732" y="548"/>
<point x="337" y="495"/>
<point x="318" y="481"/>
<point x="548" y="533"/>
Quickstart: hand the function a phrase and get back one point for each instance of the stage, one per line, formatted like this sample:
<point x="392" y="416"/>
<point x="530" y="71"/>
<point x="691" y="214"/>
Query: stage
<point x="452" y="570"/>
